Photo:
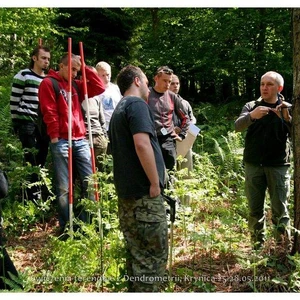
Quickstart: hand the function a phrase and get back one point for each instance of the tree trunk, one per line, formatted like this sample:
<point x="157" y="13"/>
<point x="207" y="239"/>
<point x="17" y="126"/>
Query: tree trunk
<point x="296" y="125"/>
<point x="155" y="22"/>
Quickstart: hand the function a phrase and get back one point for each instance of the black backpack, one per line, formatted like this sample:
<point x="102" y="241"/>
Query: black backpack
<point x="42" y="127"/>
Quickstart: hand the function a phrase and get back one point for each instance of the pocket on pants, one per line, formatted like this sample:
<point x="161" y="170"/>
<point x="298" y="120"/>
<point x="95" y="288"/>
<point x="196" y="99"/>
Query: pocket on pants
<point x="150" y="209"/>
<point x="151" y="226"/>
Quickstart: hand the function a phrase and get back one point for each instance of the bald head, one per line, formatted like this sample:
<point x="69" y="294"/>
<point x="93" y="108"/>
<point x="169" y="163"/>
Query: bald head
<point x="271" y="84"/>
<point x="276" y="76"/>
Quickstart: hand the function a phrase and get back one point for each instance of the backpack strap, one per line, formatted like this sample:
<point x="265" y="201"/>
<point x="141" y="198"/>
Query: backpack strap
<point x="255" y="103"/>
<point x="74" y="83"/>
<point x="55" y="86"/>
<point x="57" y="89"/>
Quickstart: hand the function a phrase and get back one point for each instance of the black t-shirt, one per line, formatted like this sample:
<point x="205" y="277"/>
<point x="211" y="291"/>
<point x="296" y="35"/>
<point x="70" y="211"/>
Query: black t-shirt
<point x="131" y="116"/>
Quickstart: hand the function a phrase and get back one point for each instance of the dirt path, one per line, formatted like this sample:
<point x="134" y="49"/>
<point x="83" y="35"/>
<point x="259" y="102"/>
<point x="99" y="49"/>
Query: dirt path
<point x="25" y="251"/>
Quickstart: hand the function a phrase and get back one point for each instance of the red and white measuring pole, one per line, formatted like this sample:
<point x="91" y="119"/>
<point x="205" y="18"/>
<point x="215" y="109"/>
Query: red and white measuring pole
<point x="70" y="152"/>
<point x="88" y="117"/>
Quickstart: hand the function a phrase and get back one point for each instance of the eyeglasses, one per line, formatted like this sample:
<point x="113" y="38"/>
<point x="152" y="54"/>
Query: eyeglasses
<point x="165" y="70"/>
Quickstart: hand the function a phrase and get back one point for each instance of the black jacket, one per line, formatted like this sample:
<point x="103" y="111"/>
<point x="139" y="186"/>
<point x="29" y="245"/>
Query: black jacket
<point x="267" y="139"/>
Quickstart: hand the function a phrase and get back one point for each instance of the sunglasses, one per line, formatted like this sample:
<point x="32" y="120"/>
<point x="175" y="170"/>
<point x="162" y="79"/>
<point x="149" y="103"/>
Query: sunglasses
<point x="165" y="70"/>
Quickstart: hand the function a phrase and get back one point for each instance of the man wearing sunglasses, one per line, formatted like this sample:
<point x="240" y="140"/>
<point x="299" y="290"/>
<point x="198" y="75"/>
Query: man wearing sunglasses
<point x="163" y="103"/>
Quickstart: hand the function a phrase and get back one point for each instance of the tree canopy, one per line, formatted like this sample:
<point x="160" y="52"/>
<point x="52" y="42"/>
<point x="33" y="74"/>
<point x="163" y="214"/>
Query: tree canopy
<point x="219" y="53"/>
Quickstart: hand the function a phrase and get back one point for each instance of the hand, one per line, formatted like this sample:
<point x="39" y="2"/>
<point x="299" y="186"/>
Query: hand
<point x="55" y="140"/>
<point x="282" y="111"/>
<point x="177" y="138"/>
<point x="259" y="112"/>
<point x="177" y="130"/>
<point x="154" y="191"/>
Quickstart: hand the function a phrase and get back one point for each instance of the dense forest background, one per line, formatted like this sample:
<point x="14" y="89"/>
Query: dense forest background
<point x="219" y="53"/>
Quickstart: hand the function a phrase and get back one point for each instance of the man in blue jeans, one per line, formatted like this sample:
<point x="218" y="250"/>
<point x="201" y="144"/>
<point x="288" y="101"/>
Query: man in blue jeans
<point x="55" y="116"/>
<point x="267" y="158"/>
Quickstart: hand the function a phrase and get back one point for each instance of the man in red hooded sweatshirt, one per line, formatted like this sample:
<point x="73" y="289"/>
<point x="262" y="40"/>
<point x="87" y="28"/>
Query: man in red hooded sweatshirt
<point x="55" y="115"/>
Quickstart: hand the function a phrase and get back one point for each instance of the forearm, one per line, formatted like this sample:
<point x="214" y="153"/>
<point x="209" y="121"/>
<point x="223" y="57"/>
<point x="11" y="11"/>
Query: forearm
<point x="244" y="120"/>
<point x="146" y="156"/>
<point x="185" y="122"/>
<point x="95" y="85"/>
<point x="147" y="160"/>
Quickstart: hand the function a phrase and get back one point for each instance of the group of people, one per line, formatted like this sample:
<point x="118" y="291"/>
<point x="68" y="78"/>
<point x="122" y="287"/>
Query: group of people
<point x="142" y="126"/>
<point x="143" y="131"/>
<point x="33" y="90"/>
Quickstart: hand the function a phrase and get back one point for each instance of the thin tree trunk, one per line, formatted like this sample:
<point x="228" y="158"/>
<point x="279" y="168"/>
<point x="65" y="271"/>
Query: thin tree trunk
<point x="296" y="125"/>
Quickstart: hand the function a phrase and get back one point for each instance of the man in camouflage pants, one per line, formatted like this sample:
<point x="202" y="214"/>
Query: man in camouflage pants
<point x="139" y="174"/>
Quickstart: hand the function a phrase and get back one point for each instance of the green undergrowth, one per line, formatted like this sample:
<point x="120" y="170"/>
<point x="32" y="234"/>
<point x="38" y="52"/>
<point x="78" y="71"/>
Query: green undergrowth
<point x="211" y="249"/>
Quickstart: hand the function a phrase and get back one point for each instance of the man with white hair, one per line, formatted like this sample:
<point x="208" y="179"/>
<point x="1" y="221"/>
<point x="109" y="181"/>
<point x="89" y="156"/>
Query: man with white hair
<point x="267" y="158"/>
<point x="111" y="97"/>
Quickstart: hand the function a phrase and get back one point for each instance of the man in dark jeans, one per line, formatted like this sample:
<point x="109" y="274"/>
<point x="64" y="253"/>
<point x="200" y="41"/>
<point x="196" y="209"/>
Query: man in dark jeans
<point x="24" y="107"/>
<point x="54" y="109"/>
<point x="163" y="103"/>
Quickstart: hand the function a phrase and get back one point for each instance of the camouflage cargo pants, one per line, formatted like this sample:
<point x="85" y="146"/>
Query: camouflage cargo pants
<point x="144" y="225"/>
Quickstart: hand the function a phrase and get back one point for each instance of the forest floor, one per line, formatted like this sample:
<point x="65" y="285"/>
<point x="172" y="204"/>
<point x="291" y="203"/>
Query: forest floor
<point x="27" y="247"/>
<point x="197" y="271"/>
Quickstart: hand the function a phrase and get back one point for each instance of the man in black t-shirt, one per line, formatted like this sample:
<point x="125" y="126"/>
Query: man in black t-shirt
<point x="139" y="175"/>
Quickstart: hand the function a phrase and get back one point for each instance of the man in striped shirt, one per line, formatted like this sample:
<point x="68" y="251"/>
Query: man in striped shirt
<point x="24" y="107"/>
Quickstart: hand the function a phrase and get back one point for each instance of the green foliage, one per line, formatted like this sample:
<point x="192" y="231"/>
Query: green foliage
<point x="73" y="258"/>
<point x="220" y="55"/>
<point x="21" y="29"/>
<point x="104" y="33"/>
<point x="13" y="282"/>
<point x="5" y="129"/>
<point x="210" y="229"/>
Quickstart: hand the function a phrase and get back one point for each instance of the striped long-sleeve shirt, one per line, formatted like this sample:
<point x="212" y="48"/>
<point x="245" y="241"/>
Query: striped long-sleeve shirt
<point x="24" y="96"/>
